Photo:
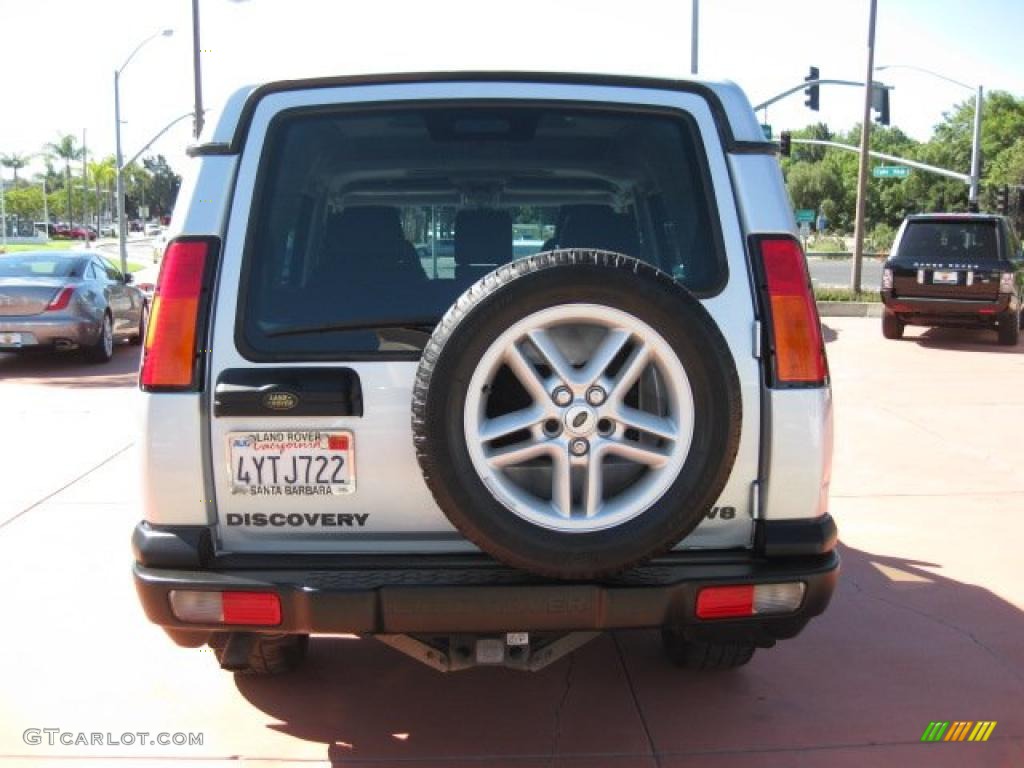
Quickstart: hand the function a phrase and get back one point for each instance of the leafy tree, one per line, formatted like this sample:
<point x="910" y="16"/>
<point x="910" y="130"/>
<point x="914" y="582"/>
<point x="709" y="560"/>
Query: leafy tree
<point x="163" y="185"/>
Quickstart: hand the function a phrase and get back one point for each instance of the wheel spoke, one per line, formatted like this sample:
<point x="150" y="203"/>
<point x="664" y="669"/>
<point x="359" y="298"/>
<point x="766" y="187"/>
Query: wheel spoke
<point x="517" y="454"/>
<point x="659" y="426"/>
<point x="561" y="484"/>
<point x="611" y="345"/>
<point x="630" y="372"/>
<point x="593" y="488"/>
<point x="502" y="426"/>
<point x="641" y="454"/>
<point x="552" y="355"/>
<point x="527" y="375"/>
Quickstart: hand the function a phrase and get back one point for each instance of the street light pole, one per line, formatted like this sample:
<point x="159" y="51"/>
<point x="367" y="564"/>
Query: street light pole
<point x="694" y="35"/>
<point x="862" y="171"/>
<point x="197" y="71"/>
<point x="979" y="101"/>
<point x="122" y="231"/>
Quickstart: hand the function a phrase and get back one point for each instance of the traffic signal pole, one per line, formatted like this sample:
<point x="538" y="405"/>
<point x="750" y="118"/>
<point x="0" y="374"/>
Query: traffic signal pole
<point x="862" y="171"/>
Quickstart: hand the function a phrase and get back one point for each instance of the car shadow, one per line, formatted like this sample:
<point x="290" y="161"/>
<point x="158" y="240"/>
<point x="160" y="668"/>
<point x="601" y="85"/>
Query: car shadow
<point x="68" y="369"/>
<point x="829" y="333"/>
<point x="900" y="646"/>
<point x="965" y="339"/>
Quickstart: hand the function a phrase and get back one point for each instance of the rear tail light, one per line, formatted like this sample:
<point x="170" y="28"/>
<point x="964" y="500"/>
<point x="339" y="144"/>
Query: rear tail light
<point x="886" y="279"/>
<point x="248" y="608"/>
<point x="794" y="331"/>
<point x="169" y="360"/>
<point x="61" y="300"/>
<point x="1006" y="282"/>
<point x="737" y="601"/>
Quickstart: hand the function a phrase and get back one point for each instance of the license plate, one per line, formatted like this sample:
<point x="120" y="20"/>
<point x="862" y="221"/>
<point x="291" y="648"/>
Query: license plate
<point x="292" y="463"/>
<point x="946" y="278"/>
<point x="10" y="340"/>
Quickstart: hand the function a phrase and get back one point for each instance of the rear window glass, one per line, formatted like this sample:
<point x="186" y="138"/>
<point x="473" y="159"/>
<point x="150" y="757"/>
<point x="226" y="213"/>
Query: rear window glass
<point x="40" y="265"/>
<point x="948" y="242"/>
<point x="367" y="225"/>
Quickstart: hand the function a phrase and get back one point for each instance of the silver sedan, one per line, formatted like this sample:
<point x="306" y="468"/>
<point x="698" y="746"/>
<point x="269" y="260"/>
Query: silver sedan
<point x="64" y="300"/>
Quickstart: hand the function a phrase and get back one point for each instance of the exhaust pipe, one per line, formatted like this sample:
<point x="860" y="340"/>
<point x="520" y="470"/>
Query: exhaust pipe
<point x="236" y="651"/>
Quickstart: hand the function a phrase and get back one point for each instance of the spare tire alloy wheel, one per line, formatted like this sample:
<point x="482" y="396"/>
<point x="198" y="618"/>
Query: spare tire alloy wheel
<point x="578" y="417"/>
<point x="576" y="412"/>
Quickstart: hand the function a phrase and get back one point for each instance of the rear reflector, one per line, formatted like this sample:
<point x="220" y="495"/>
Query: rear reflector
<point x="169" y="360"/>
<point x="737" y="601"/>
<point x="795" y="332"/>
<point x="61" y="300"/>
<point x="248" y="608"/>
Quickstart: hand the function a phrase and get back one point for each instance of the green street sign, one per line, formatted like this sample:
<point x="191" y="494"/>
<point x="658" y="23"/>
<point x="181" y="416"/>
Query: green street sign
<point x="767" y="131"/>
<point x="804" y="215"/>
<point x="890" y="171"/>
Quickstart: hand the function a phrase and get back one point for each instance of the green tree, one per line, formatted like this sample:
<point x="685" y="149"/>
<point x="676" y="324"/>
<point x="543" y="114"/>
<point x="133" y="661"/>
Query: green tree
<point x="66" y="148"/>
<point x="163" y="185"/>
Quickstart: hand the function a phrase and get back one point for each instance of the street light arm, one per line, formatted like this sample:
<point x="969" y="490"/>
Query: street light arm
<point x="161" y="33"/>
<point x="927" y="72"/>
<point x="891" y="158"/>
<point x="152" y="141"/>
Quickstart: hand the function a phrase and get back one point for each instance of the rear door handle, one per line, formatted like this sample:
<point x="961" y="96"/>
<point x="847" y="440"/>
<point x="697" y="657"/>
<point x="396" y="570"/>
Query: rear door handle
<point x="288" y="392"/>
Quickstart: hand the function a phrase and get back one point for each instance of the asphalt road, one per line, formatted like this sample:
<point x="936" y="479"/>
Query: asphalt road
<point x="926" y="624"/>
<point x="836" y="272"/>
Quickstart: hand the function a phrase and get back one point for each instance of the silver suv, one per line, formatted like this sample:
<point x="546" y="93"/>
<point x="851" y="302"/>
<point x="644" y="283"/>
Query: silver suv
<point x="372" y="408"/>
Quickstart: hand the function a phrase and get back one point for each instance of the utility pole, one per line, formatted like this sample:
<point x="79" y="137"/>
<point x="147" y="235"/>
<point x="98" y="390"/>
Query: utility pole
<point x="862" y="172"/>
<point x="694" y="35"/>
<point x="197" y="72"/>
<point x="85" y="189"/>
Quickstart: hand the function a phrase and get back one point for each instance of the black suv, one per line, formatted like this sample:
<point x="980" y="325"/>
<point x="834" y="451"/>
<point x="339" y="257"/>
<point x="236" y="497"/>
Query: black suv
<point x="954" y="270"/>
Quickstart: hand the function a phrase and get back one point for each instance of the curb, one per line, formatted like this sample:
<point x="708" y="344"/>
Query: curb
<point x="843" y="255"/>
<point x="849" y="308"/>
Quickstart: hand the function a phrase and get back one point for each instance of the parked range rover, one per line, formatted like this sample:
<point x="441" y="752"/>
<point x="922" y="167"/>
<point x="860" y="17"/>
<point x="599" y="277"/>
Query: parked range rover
<point x="957" y="271"/>
<point x="484" y="454"/>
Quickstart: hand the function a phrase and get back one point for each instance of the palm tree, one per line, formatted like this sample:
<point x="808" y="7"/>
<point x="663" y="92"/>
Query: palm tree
<point x="102" y="173"/>
<point x="66" y="148"/>
<point x="16" y="161"/>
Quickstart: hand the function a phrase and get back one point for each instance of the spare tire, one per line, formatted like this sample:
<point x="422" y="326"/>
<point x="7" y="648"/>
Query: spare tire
<point x="576" y="412"/>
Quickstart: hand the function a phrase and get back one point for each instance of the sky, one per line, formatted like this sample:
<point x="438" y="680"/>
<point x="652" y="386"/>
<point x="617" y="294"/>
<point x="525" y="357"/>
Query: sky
<point x="59" y="56"/>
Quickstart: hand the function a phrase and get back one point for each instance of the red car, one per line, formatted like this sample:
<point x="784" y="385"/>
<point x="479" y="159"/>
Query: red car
<point x="81" y="233"/>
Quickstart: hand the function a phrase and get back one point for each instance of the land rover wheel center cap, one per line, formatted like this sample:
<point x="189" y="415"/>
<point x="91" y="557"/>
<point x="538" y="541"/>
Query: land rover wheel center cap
<point x="580" y="420"/>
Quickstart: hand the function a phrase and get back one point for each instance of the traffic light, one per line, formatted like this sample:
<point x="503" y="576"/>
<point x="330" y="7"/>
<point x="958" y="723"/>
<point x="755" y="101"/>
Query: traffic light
<point x="811" y="91"/>
<point x="1003" y="200"/>
<point x="785" y="144"/>
<point x="880" y="103"/>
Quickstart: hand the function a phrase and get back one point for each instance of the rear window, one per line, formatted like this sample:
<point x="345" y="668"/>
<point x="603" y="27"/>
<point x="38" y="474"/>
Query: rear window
<point x="367" y="225"/>
<point x="40" y="265"/>
<point x="948" y="242"/>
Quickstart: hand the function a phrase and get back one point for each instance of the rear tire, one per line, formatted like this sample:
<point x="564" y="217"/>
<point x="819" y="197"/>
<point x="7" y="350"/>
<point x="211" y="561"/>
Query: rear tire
<point x="892" y="326"/>
<point x="1009" y="329"/>
<point x="103" y="350"/>
<point x="270" y="654"/>
<point x="691" y="654"/>
<point x="137" y="339"/>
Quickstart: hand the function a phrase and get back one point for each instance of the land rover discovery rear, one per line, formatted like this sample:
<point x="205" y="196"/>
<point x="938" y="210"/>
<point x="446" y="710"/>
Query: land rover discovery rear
<point x="481" y="365"/>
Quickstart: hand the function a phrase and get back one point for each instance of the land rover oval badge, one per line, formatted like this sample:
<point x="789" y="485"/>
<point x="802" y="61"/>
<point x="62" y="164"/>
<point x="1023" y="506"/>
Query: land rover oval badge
<point x="280" y="401"/>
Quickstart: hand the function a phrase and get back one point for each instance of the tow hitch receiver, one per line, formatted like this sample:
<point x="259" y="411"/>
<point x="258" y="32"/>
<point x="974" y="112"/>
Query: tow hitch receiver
<point x="516" y="650"/>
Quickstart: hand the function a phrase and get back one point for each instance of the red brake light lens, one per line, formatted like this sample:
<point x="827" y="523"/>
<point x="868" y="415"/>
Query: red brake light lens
<point x="725" y="602"/>
<point x="169" y="360"/>
<point x="794" y="328"/>
<point x="61" y="300"/>
<point x="252" y="608"/>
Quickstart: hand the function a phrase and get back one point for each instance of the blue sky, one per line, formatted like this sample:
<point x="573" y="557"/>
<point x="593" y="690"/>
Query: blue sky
<point x="60" y="55"/>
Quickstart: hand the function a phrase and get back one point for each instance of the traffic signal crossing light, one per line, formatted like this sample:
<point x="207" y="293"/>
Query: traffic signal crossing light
<point x="785" y="144"/>
<point x="1003" y="200"/>
<point x="880" y="103"/>
<point x="811" y="91"/>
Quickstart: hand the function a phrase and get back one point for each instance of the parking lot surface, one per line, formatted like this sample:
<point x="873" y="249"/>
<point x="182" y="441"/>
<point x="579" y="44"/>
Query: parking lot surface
<point x="927" y="623"/>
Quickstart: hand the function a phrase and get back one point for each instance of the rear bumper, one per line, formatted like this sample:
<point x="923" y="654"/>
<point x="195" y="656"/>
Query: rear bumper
<point x="474" y="594"/>
<point x="966" y="310"/>
<point x="51" y="330"/>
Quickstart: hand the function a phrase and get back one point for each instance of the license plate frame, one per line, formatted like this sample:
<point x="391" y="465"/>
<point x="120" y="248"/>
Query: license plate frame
<point x="945" y="277"/>
<point x="299" y="444"/>
<point x="12" y="339"/>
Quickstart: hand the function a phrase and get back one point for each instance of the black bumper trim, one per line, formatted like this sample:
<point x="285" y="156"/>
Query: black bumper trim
<point x="794" y="538"/>
<point x="482" y="597"/>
